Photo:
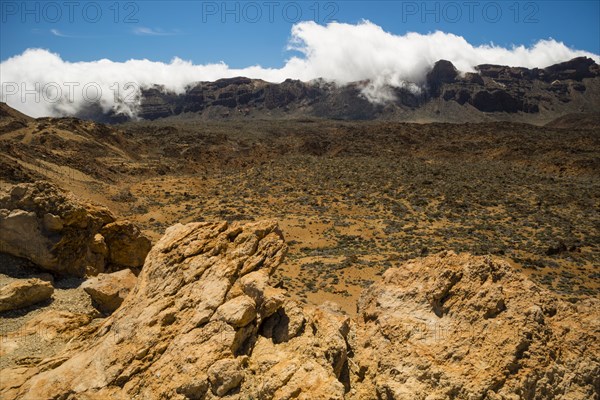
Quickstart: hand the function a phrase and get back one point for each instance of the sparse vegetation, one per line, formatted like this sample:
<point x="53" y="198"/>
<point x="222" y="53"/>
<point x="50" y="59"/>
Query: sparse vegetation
<point x="381" y="193"/>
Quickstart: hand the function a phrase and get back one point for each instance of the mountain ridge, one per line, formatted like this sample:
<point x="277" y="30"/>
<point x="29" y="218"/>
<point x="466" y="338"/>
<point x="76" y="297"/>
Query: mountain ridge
<point x="493" y="92"/>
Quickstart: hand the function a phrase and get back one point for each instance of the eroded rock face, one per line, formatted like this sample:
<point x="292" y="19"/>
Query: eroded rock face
<point x="23" y="293"/>
<point x="457" y="326"/>
<point x="40" y="222"/>
<point x="193" y="328"/>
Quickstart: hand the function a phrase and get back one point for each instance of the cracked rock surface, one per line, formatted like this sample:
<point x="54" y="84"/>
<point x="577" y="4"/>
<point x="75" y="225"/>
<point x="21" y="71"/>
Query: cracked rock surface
<point x="463" y="327"/>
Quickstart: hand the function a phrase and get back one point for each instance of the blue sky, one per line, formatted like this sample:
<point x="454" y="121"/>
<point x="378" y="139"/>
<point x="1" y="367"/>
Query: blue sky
<point x="249" y="33"/>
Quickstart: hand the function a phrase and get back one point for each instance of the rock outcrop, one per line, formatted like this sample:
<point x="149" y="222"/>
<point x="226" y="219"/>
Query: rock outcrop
<point x="54" y="230"/>
<point x="462" y="327"/>
<point x="203" y="322"/>
<point x="23" y="293"/>
<point x="442" y="72"/>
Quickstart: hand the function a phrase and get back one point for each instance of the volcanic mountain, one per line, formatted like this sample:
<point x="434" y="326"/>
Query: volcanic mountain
<point x="491" y="93"/>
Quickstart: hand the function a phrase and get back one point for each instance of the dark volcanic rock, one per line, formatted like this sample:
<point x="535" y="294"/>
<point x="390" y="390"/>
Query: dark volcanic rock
<point x="240" y="80"/>
<point x="443" y="72"/>
<point x="94" y="112"/>
<point x="281" y="95"/>
<point x="472" y="78"/>
<point x="558" y="89"/>
<point x="405" y="97"/>
<point x="347" y="103"/>
<point x="576" y="69"/>
<point x="155" y="104"/>
<point x="497" y="100"/>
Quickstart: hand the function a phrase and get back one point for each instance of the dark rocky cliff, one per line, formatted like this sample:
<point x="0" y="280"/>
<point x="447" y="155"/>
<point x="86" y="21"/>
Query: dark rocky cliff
<point x="492" y="92"/>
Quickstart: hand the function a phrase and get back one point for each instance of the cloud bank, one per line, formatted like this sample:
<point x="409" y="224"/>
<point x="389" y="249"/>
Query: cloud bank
<point x="337" y="52"/>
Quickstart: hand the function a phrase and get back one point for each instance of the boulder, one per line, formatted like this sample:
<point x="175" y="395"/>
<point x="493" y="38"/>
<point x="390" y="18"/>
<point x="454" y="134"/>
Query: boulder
<point x="267" y="298"/>
<point x="195" y="388"/>
<point x="127" y="245"/>
<point x="287" y="323"/>
<point x="21" y="236"/>
<point x="237" y="312"/>
<point x="313" y="363"/>
<point x="52" y="223"/>
<point x="109" y="290"/>
<point x="59" y="233"/>
<point x="24" y="293"/>
<point x="225" y="375"/>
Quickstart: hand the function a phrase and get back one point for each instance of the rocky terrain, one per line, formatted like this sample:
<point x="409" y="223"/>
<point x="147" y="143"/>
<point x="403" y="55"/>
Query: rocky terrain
<point x="354" y="198"/>
<point x="204" y="322"/>
<point x="408" y="261"/>
<point x="491" y="93"/>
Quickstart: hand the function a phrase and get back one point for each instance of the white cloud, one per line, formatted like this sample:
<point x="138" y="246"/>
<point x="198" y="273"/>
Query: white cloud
<point x="58" y="33"/>
<point x="337" y="52"/>
<point x="143" y="31"/>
